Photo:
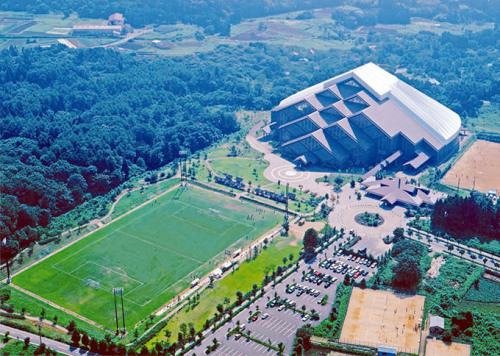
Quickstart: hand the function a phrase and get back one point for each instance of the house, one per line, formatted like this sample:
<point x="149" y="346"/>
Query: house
<point x="116" y="19"/>
<point x="387" y="351"/>
<point x="436" y="325"/>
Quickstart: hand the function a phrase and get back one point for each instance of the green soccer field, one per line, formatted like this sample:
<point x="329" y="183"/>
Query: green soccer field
<point x="153" y="253"/>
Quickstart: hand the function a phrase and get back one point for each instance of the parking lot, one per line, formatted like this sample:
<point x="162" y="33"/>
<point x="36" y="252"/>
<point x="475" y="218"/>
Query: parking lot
<point x="306" y="287"/>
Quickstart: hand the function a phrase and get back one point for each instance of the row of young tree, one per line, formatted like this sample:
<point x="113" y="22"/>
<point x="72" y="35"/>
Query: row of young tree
<point x="467" y="217"/>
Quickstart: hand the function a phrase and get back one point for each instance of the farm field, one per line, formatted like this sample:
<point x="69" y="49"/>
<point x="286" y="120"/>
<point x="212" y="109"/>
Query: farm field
<point x="484" y="297"/>
<point x="478" y="163"/>
<point x="153" y="253"/>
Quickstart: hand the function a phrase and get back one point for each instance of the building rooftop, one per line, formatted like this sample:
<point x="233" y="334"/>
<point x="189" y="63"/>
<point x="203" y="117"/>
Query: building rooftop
<point x="393" y="105"/>
<point x="436" y="321"/>
<point x="97" y="27"/>
<point x="397" y="190"/>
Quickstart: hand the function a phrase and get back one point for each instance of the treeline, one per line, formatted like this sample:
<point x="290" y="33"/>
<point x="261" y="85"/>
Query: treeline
<point x="371" y="12"/>
<point x="215" y="16"/>
<point x="465" y="218"/>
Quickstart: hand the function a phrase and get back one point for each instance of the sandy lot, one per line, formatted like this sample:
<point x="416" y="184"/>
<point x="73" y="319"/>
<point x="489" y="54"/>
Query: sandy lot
<point x="482" y="161"/>
<point x="377" y="317"/>
<point x="439" y="348"/>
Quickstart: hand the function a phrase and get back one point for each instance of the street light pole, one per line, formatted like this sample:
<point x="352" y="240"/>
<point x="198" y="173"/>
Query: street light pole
<point x="40" y="332"/>
<point x="4" y="243"/>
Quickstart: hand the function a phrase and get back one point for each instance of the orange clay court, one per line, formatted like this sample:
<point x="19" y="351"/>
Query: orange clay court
<point x="438" y="348"/>
<point x="480" y="161"/>
<point x="377" y="317"/>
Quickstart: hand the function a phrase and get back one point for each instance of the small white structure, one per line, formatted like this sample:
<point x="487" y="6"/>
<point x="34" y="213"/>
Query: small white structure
<point x="195" y="282"/>
<point x="227" y="265"/>
<point x="217" y="273"/>
<point x="237" y="252"/>
<point x="436" y="325"/>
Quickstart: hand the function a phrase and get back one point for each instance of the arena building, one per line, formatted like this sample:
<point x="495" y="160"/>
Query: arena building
<point x="363" y="117"/>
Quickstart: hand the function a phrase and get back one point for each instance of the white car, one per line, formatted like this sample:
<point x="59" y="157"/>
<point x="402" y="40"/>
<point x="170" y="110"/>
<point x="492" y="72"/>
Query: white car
<point x="265" y="316"/>
<point x="305" y="318"/>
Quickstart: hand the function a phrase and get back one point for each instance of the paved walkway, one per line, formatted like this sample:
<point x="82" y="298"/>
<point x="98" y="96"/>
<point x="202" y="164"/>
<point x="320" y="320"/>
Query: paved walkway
<point x="284" y="170"/>
<point x="35" y="340"/>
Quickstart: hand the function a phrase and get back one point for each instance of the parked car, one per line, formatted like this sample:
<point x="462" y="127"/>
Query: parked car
<point x="281" y="308"/>
<point x="237" y="337"/>
<point x="265" y="316"/>
<point x="255" y="318"/>
<point x="305" y="318"/>
<point x="242" y="327"/>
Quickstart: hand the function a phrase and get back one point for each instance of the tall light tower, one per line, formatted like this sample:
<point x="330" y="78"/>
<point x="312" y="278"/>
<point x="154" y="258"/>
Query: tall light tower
<point x="115" y="292"/>
<point x="286" y="201"/>
<point x="123" y="312"/>
<point x="183" y="155"/>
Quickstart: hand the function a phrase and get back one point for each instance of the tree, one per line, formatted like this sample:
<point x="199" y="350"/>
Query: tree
<point x="407" y="273"/>
<point x="353" y="183"/>
<point x="4" y="295"/>
<point x="362" y="284"/>
<point x="71" y="326"/>
<point x="398" y="233"/>
<point x="93" y="345"/>
<point x="310" y="241"/>
<point x="26" y="343"/>
<point x="102" y="347"/>
<point x="85" y="339"/>
<point x="220" y="308"/>
<point x="347" y="279"/>
<point x="281" y="347"/>
<point x="75" y="338"/>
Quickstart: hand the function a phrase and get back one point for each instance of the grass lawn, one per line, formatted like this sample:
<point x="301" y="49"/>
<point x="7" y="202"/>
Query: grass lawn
<point x="140" y="196"/>
<point x="249" y="169"/>
<point x="33" y="307"/>
<point x="153" y="253"/>
<point x="242" y="279"/>
<point x="17" y="347"/>
<point x="487" y="120"/>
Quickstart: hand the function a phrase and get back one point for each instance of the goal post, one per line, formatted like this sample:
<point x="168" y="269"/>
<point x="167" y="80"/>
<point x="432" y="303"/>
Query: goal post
<point x="93" y="284"/>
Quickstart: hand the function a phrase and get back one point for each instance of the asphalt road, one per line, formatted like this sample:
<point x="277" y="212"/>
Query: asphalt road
<point x="35" y="340"/>
<point x="441" y="246"/>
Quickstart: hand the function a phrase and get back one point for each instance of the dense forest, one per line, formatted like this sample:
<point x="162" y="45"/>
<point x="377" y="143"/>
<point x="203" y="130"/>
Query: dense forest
<point x="464" y="218"/>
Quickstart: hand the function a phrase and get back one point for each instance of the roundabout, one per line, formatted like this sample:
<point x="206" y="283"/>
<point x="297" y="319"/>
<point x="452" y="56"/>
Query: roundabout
<point x="349" y="218"/>
<point x="369" y="219"/>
